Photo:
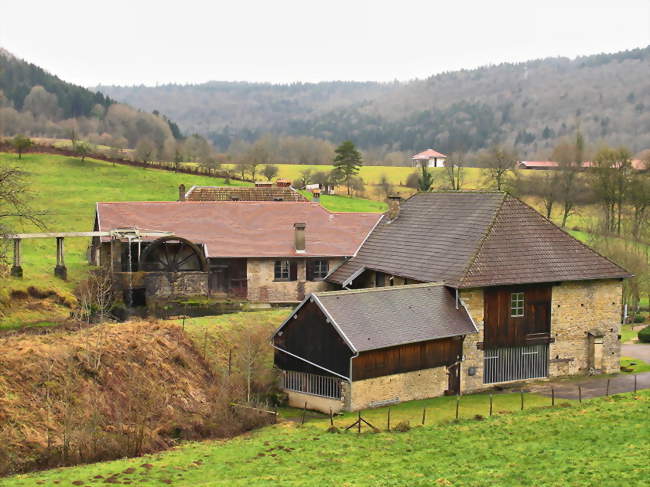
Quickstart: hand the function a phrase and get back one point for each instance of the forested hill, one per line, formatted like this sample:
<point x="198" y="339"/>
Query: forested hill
<point x="37" y="103"/>
<point x="529" y="104"/>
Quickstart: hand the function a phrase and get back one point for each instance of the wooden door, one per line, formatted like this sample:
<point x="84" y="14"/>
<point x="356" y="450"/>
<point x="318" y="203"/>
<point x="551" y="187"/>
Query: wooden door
<point x="453" y="372"/>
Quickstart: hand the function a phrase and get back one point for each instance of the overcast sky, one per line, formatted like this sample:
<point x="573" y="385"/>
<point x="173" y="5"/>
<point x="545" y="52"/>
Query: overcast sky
<point x="150" y="42"/>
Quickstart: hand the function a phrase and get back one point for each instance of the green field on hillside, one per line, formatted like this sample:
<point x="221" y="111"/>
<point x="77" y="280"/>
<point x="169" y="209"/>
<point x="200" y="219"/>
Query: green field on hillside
<point x="599" y="442"/>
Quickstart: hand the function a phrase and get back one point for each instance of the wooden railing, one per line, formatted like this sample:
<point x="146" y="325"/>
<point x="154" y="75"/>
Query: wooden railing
<point x="318" y="385"/>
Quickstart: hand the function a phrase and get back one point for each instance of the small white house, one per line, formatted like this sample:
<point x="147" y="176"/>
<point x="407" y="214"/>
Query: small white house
<point x="429" y="157"/>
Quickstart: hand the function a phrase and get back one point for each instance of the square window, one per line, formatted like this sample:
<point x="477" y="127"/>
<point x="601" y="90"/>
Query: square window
<point x="517" y="305"/>
<point x="319" y="269"/>
<point x="281" y="270"/>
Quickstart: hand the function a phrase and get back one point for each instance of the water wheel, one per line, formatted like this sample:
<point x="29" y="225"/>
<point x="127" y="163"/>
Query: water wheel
<point x="172" y="254"/>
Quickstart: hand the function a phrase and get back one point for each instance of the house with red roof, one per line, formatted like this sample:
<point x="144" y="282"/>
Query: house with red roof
<point x="429" y="158"/>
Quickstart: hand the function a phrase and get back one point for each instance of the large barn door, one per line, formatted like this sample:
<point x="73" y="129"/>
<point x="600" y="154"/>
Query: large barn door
<point x="515" y="363"/>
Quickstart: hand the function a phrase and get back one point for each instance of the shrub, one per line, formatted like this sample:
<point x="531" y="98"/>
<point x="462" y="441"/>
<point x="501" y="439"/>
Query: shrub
<point x="644" y="335"/>
<point x="639" y="318"/>
<point x="402" y="427"/>
<point x="412" y="180"/>
<point x="333" y="429"/>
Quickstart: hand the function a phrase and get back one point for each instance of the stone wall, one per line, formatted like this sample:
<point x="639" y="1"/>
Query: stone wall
<point x="175" y="284"/>
<point x="576" y="308"/>
<point x="262" y="286"/>
<point x="409" y="386"/>
<point x="315" y="403"/>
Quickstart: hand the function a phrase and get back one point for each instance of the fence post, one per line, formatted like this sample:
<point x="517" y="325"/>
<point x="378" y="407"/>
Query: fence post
<point x="359" y="425"/>
<point x="457" y="405"/>
<point x="522" y="399"/>
<point x="607" y="390"/>
<point x="388" y="419"/>
<point x="304" y="411"/>
<point x="490" y="404"/>
<point x="424" y="415"/>
<point x="552" y="396"/>
<point x="634" y="383"/>
<point x="579" y="393"/>
<point x="331" y="418"/>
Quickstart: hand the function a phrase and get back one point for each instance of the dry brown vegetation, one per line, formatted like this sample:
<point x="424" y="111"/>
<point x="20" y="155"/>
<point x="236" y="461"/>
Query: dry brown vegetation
<point x="109" y="391"/>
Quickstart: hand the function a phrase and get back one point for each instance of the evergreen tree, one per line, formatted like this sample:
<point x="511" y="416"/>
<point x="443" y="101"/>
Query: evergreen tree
<point x="425" y="181"/>
<point x="347" y="162"/>
<point x="21" y="143"/>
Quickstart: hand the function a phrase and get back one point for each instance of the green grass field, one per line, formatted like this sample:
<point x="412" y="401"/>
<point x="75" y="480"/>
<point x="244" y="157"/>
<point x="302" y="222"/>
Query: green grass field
<point x="599" y="442"/>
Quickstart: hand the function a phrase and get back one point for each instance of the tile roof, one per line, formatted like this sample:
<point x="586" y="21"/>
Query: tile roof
<point x="384" y="317"/>
<point x="243" y="193"/>
<point x="245" y="228"/>
<point x="474" y="239"/>
<point x="428" y="154"/>
<point x="532" y="164"/>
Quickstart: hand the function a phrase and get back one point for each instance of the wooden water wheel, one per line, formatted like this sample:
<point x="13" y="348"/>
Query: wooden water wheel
<point x="173" y="254"/>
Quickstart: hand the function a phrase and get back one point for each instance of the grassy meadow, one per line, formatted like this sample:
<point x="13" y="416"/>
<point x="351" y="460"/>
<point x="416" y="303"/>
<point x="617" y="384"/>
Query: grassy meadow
<point x="539" y="446"/>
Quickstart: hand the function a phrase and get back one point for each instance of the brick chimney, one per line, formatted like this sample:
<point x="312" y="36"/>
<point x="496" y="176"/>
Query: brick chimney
<point x="394" y="202"/>
<point x="181" y="192"/>
<point x="299" y="237"/>
<point x="315" y="195"/>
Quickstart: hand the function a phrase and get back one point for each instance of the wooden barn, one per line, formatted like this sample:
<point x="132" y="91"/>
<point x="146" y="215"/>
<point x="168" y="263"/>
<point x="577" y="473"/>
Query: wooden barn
<point x="362" y="348"/>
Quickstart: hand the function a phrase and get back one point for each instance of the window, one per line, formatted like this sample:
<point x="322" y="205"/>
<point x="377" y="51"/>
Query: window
<point x="282" y="270"/>
<point x="517" y="305"/>
<point x="380" y="279"/>
<point x="318" y="269"/>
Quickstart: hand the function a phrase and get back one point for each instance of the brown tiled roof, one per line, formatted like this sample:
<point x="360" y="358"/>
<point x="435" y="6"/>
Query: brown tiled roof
<point x="243" y="193"/>
<point x="384" y="317"/>
<point x="245" y="228"/>
<point x="469" y="239"/>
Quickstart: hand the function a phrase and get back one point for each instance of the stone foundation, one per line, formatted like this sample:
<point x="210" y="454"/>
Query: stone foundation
<point x="175" y="284"/>
<point x="315" y="403"/>
<point x="409" y="386"/>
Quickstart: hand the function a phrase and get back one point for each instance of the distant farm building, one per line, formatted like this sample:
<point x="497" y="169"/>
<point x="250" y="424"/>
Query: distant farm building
<point x="429" y="158"/>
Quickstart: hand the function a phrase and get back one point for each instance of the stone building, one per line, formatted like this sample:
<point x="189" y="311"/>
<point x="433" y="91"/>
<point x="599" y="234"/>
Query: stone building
<point x="261" y="251"/>
<point x="542" y="303"/>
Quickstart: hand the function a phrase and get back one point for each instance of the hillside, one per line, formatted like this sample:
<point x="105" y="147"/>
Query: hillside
<point x="541" y="447"/>
<point x="529" y="104"/>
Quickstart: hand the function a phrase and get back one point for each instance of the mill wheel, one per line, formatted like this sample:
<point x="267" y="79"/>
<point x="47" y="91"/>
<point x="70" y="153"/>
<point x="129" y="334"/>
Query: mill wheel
<point x="172" y="254"/>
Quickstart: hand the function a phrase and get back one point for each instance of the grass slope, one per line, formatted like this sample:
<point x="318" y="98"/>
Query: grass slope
<point x="601" y="442"/>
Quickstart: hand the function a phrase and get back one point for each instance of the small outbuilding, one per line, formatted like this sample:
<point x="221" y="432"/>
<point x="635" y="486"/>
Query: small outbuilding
<point x="349" y="350"/>
<point x="429" y="158"/>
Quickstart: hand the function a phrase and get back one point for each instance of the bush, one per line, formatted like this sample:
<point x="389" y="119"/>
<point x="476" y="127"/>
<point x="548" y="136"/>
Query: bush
<point x="644" y="335"/>
<point x="639" y="318"/>
<point x="412" y="181"/>
<point x="402" y="427"/>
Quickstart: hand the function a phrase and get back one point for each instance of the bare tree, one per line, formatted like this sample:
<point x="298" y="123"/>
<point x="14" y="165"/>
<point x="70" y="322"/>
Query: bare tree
<point x="454" y="169"/>
<point x="95" y="296"/>
<point x="611" y="178"/>
<point x="384" y="187"/>
<point x="145" y="150"/>
<point x="570" y="156"/>
<point x="499" y="163"/>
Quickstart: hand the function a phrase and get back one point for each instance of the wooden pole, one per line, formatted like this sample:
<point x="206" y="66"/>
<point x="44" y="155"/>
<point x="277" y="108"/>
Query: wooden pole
<point x="457" y="405"/>
<point x="579" y="393"/>
<point x="304" y="411"/>
<point x="490" y="404"/>
<point x="331" y="418"/>
<point x="388" y="421"/>
<point x="522" y="399"/>
<point x="552" y="396"/>
<point x="424" y="415"/>
<point x="634" y="383"/>
<point x="359" y="421"/>
<point x="607" y="390"/>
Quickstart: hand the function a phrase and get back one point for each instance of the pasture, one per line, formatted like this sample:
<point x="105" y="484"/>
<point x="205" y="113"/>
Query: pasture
<point x="539" y="446"/>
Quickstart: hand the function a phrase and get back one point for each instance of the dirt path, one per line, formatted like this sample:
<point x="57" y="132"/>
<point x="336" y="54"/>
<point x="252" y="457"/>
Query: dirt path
<point x="636" y="350"/>
<point x="593" y="386"/>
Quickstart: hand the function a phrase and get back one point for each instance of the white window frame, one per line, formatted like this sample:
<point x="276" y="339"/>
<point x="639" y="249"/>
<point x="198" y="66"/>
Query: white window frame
<point x="517" y="305"/>
<point x="285" y="267"/>
<point x="317" y="271"/>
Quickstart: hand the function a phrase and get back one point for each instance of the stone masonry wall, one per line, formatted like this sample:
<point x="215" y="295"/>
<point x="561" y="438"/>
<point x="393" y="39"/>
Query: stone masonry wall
<point x="175" y="284"/>
<point x="263" y="288"/>
<point x="576" y="308"/>
<point x="409" y="386"/>
<point x="314" y="403"/>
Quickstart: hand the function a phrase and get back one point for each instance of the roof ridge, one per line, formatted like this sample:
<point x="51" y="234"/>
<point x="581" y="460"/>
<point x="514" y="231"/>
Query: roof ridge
<point x="379" y="289"/>
<point x="479" y="247"/>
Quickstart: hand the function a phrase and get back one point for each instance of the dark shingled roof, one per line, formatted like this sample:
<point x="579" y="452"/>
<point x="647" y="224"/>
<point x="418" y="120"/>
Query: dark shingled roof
<point x="243" y="193"/>
<point x="475" y="239"/>
<point x="376" y="318"/>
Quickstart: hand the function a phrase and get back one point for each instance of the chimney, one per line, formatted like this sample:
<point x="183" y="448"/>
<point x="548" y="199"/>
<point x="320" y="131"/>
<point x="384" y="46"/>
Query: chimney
<point x="299" y="237"/>
<point x="181" y="192"/>
<point x="394" y="201"/>
<point x="316" y="195"/>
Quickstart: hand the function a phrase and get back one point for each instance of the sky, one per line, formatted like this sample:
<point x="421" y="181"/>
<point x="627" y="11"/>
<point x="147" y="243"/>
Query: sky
<point x="154" y="42"/>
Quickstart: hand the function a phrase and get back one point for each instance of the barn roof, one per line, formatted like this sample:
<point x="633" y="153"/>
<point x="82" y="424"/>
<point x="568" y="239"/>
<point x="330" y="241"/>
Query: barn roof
<point x="245" y="228"/>
<point x="475" y="239"/>
<point x="428" y="154"/>
<point x="369" y="319"/>
<point x="243" y="193"/>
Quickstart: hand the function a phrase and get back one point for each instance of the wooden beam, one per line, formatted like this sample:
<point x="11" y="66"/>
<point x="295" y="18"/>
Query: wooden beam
<point x="83" y="234"/>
